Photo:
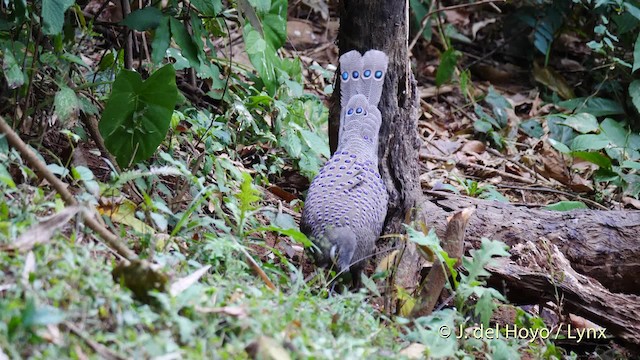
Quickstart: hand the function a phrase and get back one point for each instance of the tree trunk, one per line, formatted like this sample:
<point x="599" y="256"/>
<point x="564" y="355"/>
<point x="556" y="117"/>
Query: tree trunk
<point x="383" y="25"/>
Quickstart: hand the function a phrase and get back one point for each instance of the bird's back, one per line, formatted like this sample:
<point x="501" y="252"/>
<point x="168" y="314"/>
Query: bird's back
<point x="347" y="201"/>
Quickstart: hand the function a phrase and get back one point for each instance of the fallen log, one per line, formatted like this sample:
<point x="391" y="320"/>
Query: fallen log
<point x="538" y="272"/>
<point x="604" y="245"/>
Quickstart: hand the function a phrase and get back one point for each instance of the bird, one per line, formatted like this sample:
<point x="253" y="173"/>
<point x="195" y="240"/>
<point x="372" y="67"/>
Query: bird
<point x="346" y="204"/>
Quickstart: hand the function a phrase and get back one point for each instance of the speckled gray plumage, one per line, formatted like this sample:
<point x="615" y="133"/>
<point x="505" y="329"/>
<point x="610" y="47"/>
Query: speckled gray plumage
<point x="347" y="201"/>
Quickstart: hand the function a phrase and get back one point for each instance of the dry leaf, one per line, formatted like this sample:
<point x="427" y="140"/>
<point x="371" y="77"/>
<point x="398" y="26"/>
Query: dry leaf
<point x="42" y="232"/>
<point x="266" y="348"/>
<point x="414" y="351"/>
<point x="387" y="262"/>
<point x="235" y="311"/>
<point x="185" y="282"/>
<point x="29" y="267"/>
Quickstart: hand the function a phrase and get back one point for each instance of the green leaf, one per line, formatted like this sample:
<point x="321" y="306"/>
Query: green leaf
<point x="636" y="54"/>
<point x="559" y="146"/>
<point x="143" y="19"/>
<point x="46" y="315"/>
<point x="161" y="41"/>
<point x="632" y="10"/>
<point x="594" y="106"/>
<point x="53" y="15"/>
<point x="254" y="43"/>
<point x="65" y="103"/>
<point x="532" y="128"/>
<point x="315" y="142"/>
<point x="248" y="195"/>
<point x="566" y="206"/>
<point x="481" y="258"/>
<point x="137" y="115"/>
<point x="594" y="157"/>
<point x="12" y="71"/>
<point x="448" y="62"/>
<point x="634" y="92"/>
<point x="582" y="123"/>
<point x="294" y="234"/>
<point x="185" y="41"/>
<point x="616" y="132"/>
<point x="275" y="30"/>
<point x="628" y="164"/>
<point x="291" y="143"/>
<point x="589" y="142"/>
<point x="5" y="177"/>
<point x="209" y="8"/>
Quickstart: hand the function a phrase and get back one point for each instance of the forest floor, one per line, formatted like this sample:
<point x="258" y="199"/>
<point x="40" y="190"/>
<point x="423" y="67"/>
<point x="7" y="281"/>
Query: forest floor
<point x="58" y="298"/>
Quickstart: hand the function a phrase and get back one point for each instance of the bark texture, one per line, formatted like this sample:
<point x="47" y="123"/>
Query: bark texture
<point x="604" y="245"/>
<point x="383" y="25"/>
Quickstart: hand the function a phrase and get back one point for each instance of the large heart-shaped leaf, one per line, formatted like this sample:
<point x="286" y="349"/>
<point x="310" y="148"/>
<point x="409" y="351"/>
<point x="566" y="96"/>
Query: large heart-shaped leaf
<point x="137" y="115"/>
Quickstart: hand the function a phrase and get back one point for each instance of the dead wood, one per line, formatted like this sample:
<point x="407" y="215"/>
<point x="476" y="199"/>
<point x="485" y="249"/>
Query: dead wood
<point x="538" y="272"/>
<point x="604" y="245"/>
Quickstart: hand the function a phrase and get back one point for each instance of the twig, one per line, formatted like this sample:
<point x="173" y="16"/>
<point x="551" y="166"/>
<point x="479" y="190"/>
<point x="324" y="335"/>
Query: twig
<point x="41" y="169"/>
<point x="467" y="164"/>
<point x="100" y="349"/>
<point x="545" y="189"/>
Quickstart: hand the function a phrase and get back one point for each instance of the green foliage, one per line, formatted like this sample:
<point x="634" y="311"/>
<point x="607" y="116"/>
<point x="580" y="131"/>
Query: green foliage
<point x="566" y="206"/>
<point x="474" y="189"/>
<point x="493" y="127"/>
<point x="137" y="115"/>
<point x="448" y="62"/>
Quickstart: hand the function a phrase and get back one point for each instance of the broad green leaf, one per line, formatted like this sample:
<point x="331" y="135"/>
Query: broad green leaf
<point x="559" y="146"/>
<point x="594" y="157"/>
<point x="161" y="41"/>
<point x="291" y="143"/>
<point x="532" y="128"/>
<point x="594" y="106"/>
<point x="315" y="142"/>
<point x="46" y="315"/>
<point x="498" y="105"/>
<point x="634" y="92"/>
<point x="616" y="132"/>
<point x="582" y="123"/>
<point x="631" y="165"/>
<point x="448" y="62"/>
<point x="143" y="19"/>
<point x="208" y="7"/>
<point x="589" y="142"/>
<point x="636" y="54"/>
<point x="254" y="43"/>
<point x="185" y="41"/>
<point x="74" y="59"/>
<point x="106" y="62"/>
<point x="137" y="115"/>
<point x="12" y="71"/>
<point x="53" y="15"/>
<point x="566" y="206"/>
<point x="632" y="10"/>
<point x="65" y="103"/>
<point x="275" y="30"/>
<point x="5" y="177"/>
<point x="261" y="5"/>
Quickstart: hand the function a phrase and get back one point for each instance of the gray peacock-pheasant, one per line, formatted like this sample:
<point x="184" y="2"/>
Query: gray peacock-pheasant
<point x="347" y="201"/>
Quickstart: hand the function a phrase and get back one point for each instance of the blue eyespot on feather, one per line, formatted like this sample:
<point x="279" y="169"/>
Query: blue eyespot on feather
<point x="378" y="74"/>
<point x="350" y="112"/>
<point x="345" y="76"/>
<point x="367" y="73"/>
<point x="359" y="110"/>
<point x="356" y="74"/>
